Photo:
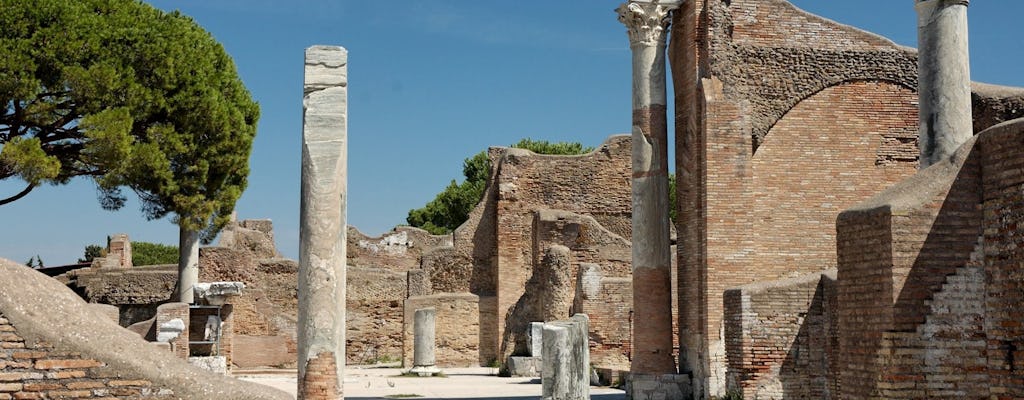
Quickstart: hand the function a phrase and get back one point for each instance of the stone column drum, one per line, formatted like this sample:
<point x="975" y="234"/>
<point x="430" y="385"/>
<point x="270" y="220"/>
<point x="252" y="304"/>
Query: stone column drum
<point x="647" y="24"/>
<point x="321" y="286"/>
<point x="944" y="78"/>
<point x="565" y="374"/>
<point x="423" y="358"/>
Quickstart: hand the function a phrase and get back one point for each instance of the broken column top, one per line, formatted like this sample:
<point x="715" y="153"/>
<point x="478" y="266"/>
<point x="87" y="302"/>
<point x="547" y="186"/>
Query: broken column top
<point x="217" y="293"/>
<point x="324" y="67"/>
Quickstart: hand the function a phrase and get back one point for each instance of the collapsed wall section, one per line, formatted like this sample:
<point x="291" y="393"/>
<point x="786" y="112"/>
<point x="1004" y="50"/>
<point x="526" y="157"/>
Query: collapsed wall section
<point x="55" y="346"/>
<point x="781" y="338"/>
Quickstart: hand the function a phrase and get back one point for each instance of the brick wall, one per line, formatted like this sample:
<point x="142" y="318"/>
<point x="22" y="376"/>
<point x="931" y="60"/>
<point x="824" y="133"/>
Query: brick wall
<point x="607" y="301"/>
<point x="596" y="184"/>
<point x="963" y="339"/>
<point x="780" y="338"/>
<point x="38" y="371"/>
<point x="374" y="318"/>
<point x="785" y="104"/>
<point x="398" y="250"/>
<point x="1002" y="166"/>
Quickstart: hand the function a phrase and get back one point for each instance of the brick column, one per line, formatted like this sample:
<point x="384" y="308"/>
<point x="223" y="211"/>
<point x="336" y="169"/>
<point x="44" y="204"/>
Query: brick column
<point x="646" y="23"/>
<point x="321" y="325"/>
<point x="944" y="78"/>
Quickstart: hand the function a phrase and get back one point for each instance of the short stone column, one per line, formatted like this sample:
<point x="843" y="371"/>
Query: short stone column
<point x="565" y="374"/>
<point x="423" y="357"/>
<point x="646" y="23"/>
<point x="944" y="78"/>
<point x="321" y="286"/>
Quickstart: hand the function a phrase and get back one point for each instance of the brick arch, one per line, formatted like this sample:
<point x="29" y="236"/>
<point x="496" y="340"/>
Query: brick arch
<point x="772" y="115"/>
<point x="832" y="150"/>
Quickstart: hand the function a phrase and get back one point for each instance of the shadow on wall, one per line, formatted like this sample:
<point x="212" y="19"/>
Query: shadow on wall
<point x="807" y="372"/>
<point x="896" y="251"/>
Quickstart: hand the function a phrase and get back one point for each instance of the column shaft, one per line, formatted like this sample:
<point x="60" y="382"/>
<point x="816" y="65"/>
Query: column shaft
<point x="321" y="286"/>
<point x="652" y="296"/>
<point x="944" y="78"/>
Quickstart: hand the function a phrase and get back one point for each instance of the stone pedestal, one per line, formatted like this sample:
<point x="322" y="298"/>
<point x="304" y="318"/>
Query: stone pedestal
<point x="565" y="373"/>
<point x="321" y="286"/>
<point x="647" y="23"/>
<point x="944" y="78"/>
<point x="423" y="357"/>
<point x="658" y="387"/>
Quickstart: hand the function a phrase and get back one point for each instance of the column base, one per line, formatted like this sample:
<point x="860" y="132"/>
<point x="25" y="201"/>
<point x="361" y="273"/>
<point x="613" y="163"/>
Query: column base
<point x="658" y="387"/>
<point x="425" y="370"/>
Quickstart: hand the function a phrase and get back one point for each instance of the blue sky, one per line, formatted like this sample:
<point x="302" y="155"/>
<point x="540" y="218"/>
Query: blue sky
<point x="430" y="83"/>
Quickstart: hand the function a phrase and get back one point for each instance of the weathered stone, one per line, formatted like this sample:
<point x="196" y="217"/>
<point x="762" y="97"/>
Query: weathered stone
<point x="170" y="330"/>
<point x="646" y="24"/>
<point x="524" y="366"/>
<point x="536" y="341"/>
<point x="424" y="341"/>
<point x="565" y="374"/>
<point x="321" y="289"/>
<point x="218" y="293"/>
<point x="944" y="78"/>
<point x="215" y="364"/>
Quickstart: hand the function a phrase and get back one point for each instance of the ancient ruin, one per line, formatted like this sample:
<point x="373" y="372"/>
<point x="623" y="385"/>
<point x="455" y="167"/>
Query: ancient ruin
<point x="848" y="227"/>
<point x="321" y="280"/>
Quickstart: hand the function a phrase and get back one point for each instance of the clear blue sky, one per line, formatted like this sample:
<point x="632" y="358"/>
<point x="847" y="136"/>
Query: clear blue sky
<point x="430" y="83"/>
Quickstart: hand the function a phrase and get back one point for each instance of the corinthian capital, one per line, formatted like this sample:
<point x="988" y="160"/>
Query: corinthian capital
<point x="646" y="21"/>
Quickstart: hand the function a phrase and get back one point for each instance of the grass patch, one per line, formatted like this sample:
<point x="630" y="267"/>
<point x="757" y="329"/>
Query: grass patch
<point x="402" y="396"/>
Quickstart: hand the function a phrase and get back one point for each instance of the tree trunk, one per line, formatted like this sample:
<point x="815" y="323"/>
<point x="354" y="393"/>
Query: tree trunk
<point x="188" y="264"/>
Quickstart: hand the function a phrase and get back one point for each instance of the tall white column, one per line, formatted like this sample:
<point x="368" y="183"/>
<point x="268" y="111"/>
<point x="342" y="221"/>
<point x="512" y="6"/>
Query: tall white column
<point x="647" y="25"/>
<point x="944" y="78"/>
<point x="321" y="287"/>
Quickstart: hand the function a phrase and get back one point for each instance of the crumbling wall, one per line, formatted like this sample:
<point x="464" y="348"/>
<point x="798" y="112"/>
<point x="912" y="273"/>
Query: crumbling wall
<point x="373" y="322"/>
<point x="398" y="250"/>
<point x="781" y="338"/>
<point x="911" y="293"/>
<point x="597" y="184"/>
<point x="609" y="302"/>
<point x="55" y="346"/>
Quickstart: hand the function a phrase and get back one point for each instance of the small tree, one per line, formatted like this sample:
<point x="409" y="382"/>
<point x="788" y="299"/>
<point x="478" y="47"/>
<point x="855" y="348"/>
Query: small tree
<point x="146" y="253"/>
<point x="92" y="252"/>
<point x="452" y="206"/>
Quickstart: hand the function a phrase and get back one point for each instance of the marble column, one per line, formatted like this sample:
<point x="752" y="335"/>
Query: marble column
<point x="944" y="78"/>
<point x="321" y="286"/>
<point x="647" y="25"/>
<point x="188" y="264"/>
<point x="423" y="357"/>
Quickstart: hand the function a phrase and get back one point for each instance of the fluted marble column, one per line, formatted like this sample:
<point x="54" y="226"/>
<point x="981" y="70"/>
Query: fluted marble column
<point x="944" y="78"/>
<point x="647" y="25"/>
<point x="321" y="290"/>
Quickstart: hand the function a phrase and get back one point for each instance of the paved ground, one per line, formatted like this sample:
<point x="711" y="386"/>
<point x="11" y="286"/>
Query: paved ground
<point x="459" y="383"/>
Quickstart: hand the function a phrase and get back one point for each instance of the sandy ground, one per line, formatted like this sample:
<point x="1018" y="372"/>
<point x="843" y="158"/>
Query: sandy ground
<point x="458" y="383"/>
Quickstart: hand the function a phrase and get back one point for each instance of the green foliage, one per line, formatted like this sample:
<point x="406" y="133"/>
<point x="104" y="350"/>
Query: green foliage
<point x="92" y="252"/>
<point x="145" y="253"/>
<point x="35" y="262"/>
<point x="452" y="206"/>
<point x="130" y="96"/>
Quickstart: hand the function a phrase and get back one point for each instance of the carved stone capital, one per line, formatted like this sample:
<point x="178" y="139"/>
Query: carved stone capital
<point x="646" y="21"/>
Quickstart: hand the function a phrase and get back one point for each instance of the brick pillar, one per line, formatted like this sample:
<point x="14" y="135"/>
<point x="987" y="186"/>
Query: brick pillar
<point x="321" y="289"/>
<point x="647" y="24"/>
<point x="944" y="78"/>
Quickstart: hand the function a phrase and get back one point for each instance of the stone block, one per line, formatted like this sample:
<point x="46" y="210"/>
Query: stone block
<point x="524" y="366"/>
